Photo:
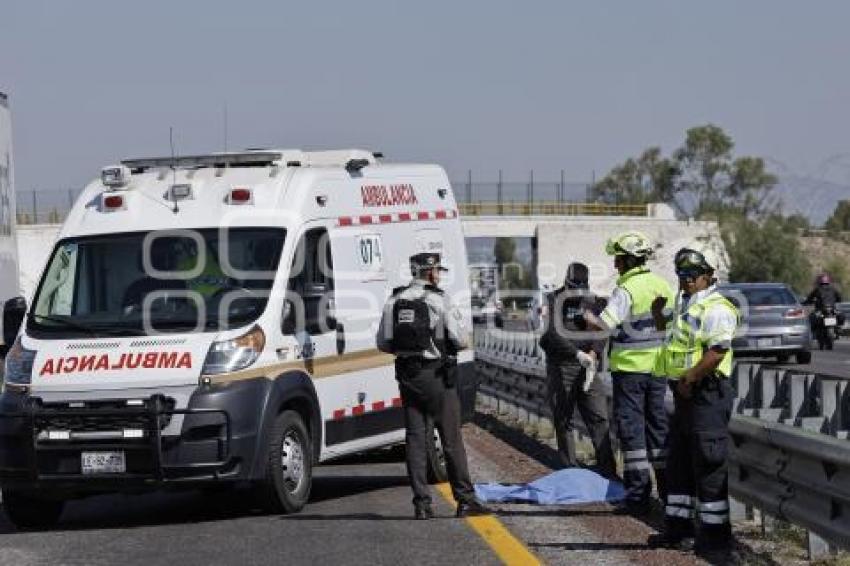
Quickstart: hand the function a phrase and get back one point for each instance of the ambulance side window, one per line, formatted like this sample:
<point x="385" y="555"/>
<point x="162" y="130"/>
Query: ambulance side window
<point x="311" y="285"/>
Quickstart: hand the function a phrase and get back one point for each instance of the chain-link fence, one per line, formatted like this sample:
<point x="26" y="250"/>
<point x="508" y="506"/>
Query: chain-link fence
<point x="50" y="206"/>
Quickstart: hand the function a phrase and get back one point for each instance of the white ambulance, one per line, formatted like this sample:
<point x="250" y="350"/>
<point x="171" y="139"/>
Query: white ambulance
<point x="12" y="305"/>
<point x="212" y="319"/>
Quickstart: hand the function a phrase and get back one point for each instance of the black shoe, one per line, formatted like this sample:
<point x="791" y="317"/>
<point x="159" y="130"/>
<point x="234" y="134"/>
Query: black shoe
<point x="472" y="508"/>
<point x="633" y="508"/>
<point x="663" y="540"/>
<point x="714" y="548"/>
<point x="423" y="512"/>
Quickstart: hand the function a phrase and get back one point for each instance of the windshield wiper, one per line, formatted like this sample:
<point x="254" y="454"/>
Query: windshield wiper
<point x="63" y="321"/>
<point x="94" y="331"/>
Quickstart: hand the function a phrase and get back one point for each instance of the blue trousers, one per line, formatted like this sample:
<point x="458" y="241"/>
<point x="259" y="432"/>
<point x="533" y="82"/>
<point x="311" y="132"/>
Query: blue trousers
<point x="642" y="428"/>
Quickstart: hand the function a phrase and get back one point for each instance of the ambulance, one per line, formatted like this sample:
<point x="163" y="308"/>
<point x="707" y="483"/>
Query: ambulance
<point x="212" y="318"/>
<point x="11" y="304"/>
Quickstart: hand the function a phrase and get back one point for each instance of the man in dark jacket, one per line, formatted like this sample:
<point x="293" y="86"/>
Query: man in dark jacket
<point x="824" y="294"/>
<point x="573" y="354"/>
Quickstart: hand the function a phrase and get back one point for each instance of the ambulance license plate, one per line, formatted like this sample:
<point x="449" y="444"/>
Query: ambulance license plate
<point x="765" y="342"/>
<point x="830" y="321"/>
<point x="103" y="463"/>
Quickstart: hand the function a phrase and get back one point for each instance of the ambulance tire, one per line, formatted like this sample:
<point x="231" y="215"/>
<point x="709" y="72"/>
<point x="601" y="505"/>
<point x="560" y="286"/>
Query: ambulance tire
<point x="437" y="472"/>
<point x="29" y="512"/>
<point x="289" y="465"/>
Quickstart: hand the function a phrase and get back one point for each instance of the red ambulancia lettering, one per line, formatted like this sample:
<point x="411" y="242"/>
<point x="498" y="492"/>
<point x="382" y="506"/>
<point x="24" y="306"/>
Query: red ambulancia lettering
<point x="185" y="361"/>
<point x="394" y="195"/>
<point x="150" y="360"/>
<point x="71" y="364"/>
<point x="168" y="360"/>
<point x="134" y="360"/>
<point x="47" y="368"/>
<point x="93" y="363"/>
<point x="120" y="364"/>
<point x="86" y="363"/>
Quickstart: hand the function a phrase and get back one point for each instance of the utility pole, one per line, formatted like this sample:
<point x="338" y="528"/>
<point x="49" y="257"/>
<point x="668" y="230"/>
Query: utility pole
<point x="499" y="192"/>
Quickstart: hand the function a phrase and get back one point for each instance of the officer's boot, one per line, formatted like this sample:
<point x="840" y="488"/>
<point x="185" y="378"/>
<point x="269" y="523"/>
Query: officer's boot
<point x="423" y="511"/>
<point x="472" y="508"/>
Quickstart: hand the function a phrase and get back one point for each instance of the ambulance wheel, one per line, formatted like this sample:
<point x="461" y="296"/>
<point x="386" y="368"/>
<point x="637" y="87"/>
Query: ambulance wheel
<point x="289" y="465"/>
<point x="437" y="472"/>
<point x="29" y="512"/>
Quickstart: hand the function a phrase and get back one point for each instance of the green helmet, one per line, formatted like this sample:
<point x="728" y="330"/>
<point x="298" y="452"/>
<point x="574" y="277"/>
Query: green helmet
<point x="631" y="243"/>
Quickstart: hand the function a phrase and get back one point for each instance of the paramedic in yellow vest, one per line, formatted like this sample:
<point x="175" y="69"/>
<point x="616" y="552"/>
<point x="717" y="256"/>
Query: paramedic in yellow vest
<point x="697" y="360"/>
<point x="635" y="344"/>
<point x="211" y="279"/>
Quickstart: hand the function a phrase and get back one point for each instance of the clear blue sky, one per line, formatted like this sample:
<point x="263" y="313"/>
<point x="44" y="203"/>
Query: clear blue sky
<point x="480" y="85"/>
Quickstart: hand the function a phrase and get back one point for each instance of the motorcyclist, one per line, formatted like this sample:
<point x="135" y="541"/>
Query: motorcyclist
<point x="824" y="294"/>
<point x="824" y="297"/>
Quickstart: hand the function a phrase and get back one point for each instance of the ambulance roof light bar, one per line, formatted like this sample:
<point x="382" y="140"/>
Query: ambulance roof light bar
<point x="248" y="158"/>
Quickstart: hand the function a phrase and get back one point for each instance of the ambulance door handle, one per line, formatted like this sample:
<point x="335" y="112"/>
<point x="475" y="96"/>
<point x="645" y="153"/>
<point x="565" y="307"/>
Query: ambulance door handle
<point x="340" y="339"/>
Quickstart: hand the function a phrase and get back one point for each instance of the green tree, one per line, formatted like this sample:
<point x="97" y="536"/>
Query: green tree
<point x="765" y="250"/>
<point x="749" y="186"/>
<point x="504" y="249"/>
<point x="798" y="222"/>
<point x="840" y="219"/>
<point x="511" y="272"/>
<point x="650" y="177"/>
<point x="704" y="159"/>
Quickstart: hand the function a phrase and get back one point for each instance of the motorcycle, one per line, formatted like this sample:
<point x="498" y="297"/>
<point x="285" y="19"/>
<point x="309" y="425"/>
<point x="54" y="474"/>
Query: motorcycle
<point x="826" y="327"/>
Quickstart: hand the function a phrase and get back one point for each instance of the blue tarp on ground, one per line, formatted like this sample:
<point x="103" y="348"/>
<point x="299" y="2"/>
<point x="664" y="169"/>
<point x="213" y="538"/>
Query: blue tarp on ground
<point x="572" y="485"/>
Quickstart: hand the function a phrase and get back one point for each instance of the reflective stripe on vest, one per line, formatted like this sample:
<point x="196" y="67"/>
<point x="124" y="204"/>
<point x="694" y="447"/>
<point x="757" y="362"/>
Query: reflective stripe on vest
<point x="636" y="344"/>
<point x="688" y="341"/>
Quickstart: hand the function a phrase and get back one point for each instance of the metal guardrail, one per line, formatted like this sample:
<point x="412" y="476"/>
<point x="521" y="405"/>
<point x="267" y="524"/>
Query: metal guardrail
<point x="790" y="457"/>
<point x="484" y="208"/>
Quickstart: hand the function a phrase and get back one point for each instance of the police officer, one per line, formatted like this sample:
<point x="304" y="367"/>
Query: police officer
<point x="697" y="360"/>
<point x="424" y="331"/>
<point x="635" y="345"/>
<point x="572" y="356"/>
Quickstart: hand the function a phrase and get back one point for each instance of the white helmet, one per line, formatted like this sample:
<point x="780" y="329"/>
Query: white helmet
<point x="632" y="243"/>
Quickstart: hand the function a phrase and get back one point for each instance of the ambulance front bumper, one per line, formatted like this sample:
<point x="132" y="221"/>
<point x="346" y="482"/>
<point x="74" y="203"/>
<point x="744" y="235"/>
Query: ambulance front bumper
<point x="51" y="444"/>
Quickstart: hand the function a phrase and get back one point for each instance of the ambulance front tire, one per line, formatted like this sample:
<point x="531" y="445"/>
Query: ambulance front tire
<point x="29" y="512"/>
<point x="289" y="465"/>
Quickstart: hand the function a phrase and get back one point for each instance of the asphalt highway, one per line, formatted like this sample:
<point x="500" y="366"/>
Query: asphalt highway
<point x="835" y="362"/>
<point x="359" y="513"/>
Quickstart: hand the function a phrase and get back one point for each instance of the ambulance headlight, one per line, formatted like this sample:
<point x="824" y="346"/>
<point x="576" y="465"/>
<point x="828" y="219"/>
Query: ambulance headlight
<point x="235" y="354"/>
<point x="19" y="362"/>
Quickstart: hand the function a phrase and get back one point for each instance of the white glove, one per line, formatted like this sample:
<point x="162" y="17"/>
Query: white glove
<point x="589" y="376"/>
<point x="585" y="360"/>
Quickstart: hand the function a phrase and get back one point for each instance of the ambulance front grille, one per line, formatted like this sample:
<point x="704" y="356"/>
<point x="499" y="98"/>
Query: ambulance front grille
<point x="105" y="416"/>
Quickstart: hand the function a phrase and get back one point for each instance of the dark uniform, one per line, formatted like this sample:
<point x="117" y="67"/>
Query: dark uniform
<point x="697" y="471"/>
<point x="565" y="336"/>
<point x="425" y="333"/>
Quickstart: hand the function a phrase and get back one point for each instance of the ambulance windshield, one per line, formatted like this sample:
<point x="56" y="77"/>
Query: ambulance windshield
<point x="145" y="283"/>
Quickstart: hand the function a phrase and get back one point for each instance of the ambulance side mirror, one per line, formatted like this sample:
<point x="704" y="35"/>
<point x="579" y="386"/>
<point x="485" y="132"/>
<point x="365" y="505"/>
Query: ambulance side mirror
<point x="13" y="316"/>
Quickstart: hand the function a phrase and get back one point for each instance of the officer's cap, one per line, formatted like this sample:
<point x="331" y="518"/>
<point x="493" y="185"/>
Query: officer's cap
<point x="425" y="261"/>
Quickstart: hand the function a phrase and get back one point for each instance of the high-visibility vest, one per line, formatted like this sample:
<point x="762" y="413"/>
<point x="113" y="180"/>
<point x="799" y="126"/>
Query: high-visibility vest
<point x="688" y="341"/>
<point x="636" y="343"/>
<point x="211" y="279"/>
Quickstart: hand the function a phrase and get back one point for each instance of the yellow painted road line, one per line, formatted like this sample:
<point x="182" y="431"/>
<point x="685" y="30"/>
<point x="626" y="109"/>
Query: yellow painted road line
<point x="506" y="546"/>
